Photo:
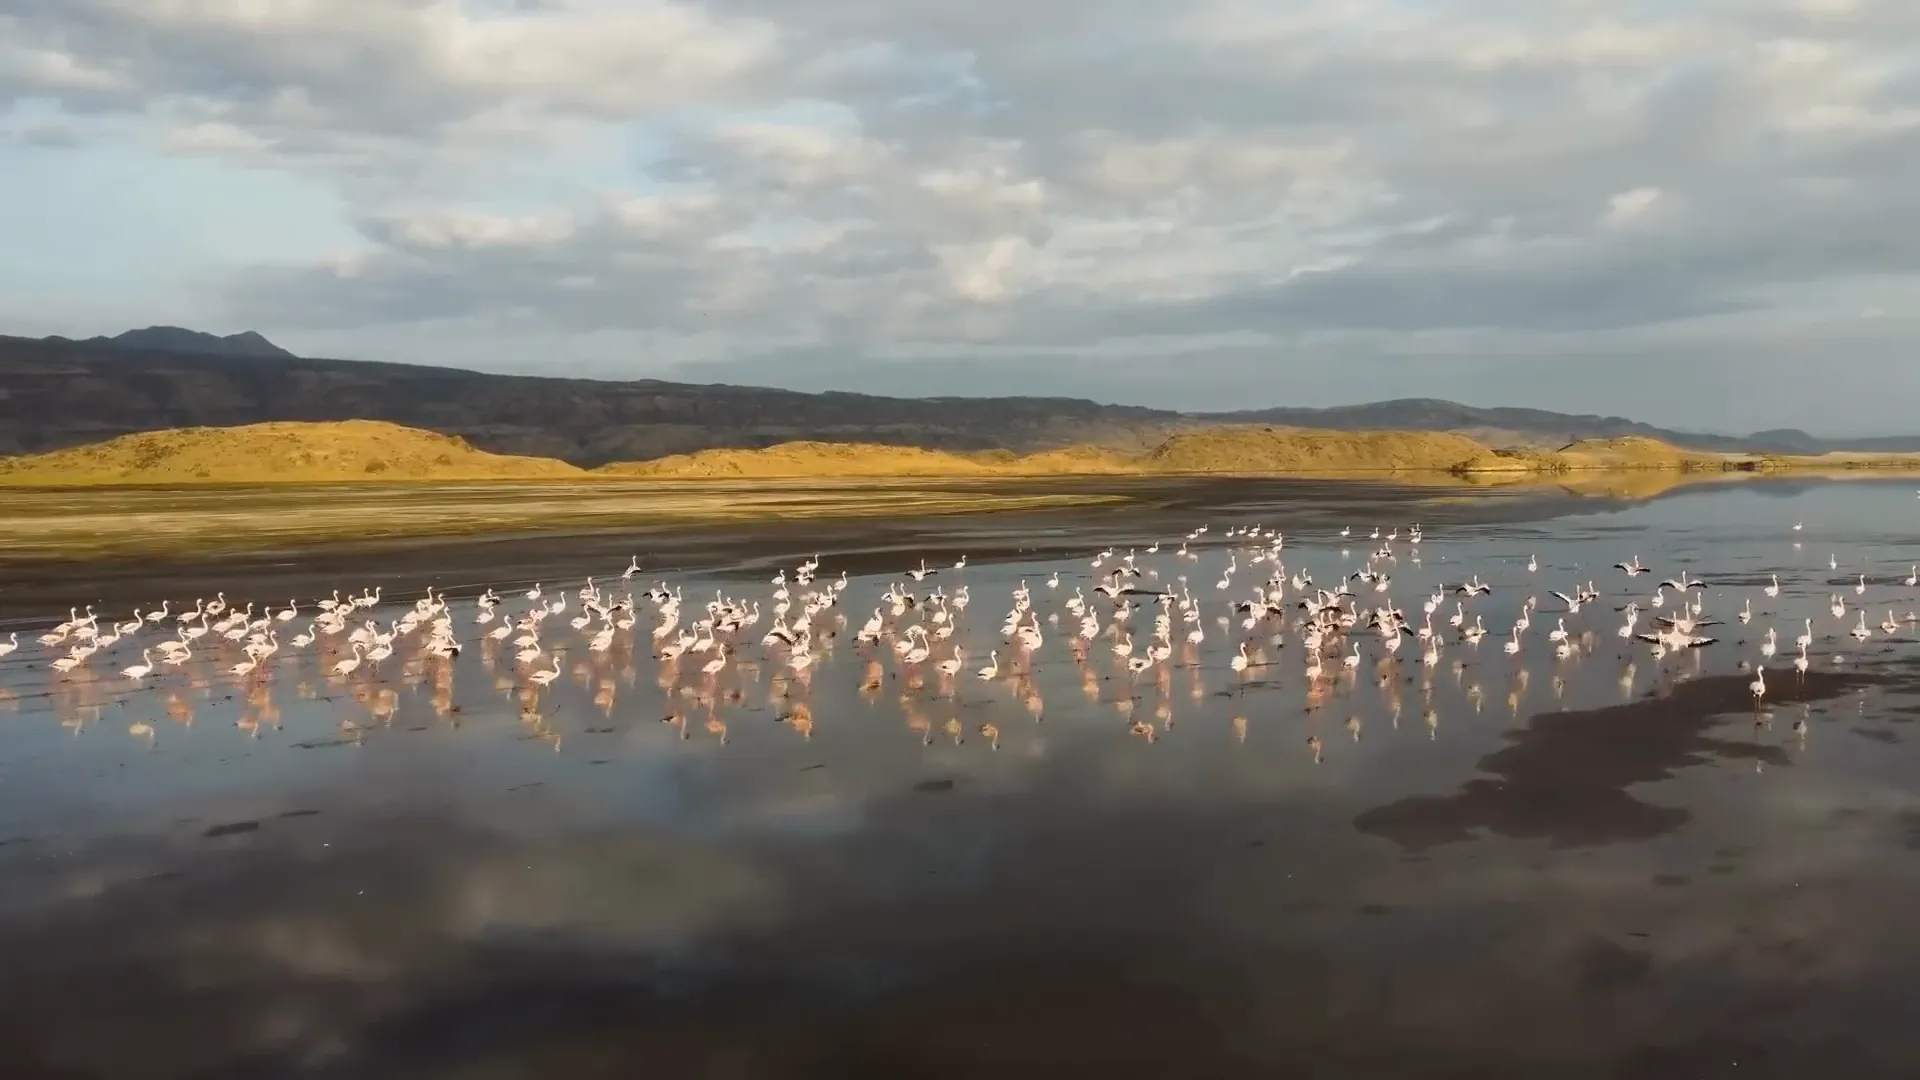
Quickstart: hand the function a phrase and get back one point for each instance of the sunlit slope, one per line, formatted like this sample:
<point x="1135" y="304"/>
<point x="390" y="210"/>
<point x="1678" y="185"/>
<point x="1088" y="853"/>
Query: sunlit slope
<point x="824" y="459"/>
<point x="1299" y="451"/>
<point x="1634" y="452"/>
<point x="362" y="450"/>
<point x="370" y="450"/>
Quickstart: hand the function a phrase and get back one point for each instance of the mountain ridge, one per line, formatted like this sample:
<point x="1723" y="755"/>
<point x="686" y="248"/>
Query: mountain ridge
<point x="179" y="339"/>
<point x="60" y="392"/>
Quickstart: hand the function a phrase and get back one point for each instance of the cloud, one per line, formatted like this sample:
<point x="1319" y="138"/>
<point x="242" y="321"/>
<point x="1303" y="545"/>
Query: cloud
<point x="1628" y="205"/>
<point x="882" y="180"/>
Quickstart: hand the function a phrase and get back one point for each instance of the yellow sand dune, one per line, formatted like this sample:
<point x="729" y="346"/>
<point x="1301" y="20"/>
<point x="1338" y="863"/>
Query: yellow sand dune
<point x="824" y="459"/>
<point x="375" y="451"/>
<point x="1636" y="452"/>
<point x="1306" y="451"/>
<point x="360" y="450"/>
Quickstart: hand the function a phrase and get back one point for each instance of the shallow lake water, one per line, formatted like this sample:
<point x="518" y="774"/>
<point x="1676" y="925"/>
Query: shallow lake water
<point x="1600" y="864"/>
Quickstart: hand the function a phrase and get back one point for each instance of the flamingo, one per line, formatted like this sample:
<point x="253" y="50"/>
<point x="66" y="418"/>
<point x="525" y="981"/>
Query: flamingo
<point x="347" y="666"/>
<point x="142" y="669"/>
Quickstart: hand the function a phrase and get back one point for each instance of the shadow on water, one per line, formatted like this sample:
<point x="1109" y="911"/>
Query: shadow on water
<point x="1564" y="776"/>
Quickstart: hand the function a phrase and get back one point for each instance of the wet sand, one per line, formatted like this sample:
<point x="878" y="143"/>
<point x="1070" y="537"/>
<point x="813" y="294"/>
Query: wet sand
<point x="82" y="524"/>
<point x="36" y="583"/>
<point x="1494" y="867"/>
<point x="68" y="525"/>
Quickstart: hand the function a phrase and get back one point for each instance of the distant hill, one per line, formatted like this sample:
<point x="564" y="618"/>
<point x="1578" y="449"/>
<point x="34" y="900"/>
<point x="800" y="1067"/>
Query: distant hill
<point x="58" y="392"/>
<point x="1288" y="451"/>
<point x="847" y="460"/>
<point x="1535" y="427"/>
<point x="176" y="339"/>
<point x="357" y="450"/>
<point x="362" y="451"/>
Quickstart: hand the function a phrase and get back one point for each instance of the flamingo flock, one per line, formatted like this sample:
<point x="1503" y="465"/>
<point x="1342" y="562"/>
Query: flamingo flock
<point x="1144" y="607"/>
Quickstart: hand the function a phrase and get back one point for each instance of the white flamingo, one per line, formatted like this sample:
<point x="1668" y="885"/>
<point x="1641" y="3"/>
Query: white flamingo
<point x="142" y="669"/>
<point x="347" y="666"/>
<point x="992" y="669"/>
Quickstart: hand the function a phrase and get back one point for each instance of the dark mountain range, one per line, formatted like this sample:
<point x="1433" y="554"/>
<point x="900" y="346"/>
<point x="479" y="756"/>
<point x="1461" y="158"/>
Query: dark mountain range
<point x="176" y="339"/>
<point x="57" y="392"/>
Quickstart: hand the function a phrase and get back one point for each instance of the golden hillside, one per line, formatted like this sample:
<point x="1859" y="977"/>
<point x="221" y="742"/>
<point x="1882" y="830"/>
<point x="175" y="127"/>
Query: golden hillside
<point x="1284" y="450"/>
<point x="824" y="459"/>
<point x="1239" y="450"/>
<point x="362" y="450"/>
<point x="375" y="451"/>
<point x="1510" y="463"/>
<point x="1636" y="452"/>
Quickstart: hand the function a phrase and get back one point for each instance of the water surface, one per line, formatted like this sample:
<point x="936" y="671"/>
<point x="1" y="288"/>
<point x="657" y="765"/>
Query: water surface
<point x="1602" y="865"/>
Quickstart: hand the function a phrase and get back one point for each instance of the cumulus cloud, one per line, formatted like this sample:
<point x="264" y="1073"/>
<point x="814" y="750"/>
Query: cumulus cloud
<point x="882" y="179"/>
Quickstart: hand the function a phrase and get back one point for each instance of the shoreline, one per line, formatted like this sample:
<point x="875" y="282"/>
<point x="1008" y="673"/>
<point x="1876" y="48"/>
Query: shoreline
<point x="85" y="523"/>
<point x="102" y="546"/>
<point x="1453" y="476"/>
<point x="77" y="524"/>
<point x="145" y="567"/>
<point x="1469" y="473"/>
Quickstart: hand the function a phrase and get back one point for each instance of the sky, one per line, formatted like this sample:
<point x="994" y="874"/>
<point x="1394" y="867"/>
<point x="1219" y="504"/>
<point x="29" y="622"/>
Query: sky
<point x="1700" y="213"/>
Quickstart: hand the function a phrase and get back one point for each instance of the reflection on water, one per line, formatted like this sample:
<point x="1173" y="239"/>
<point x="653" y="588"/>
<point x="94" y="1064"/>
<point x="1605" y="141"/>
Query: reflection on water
<point x="996" y="834"/>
